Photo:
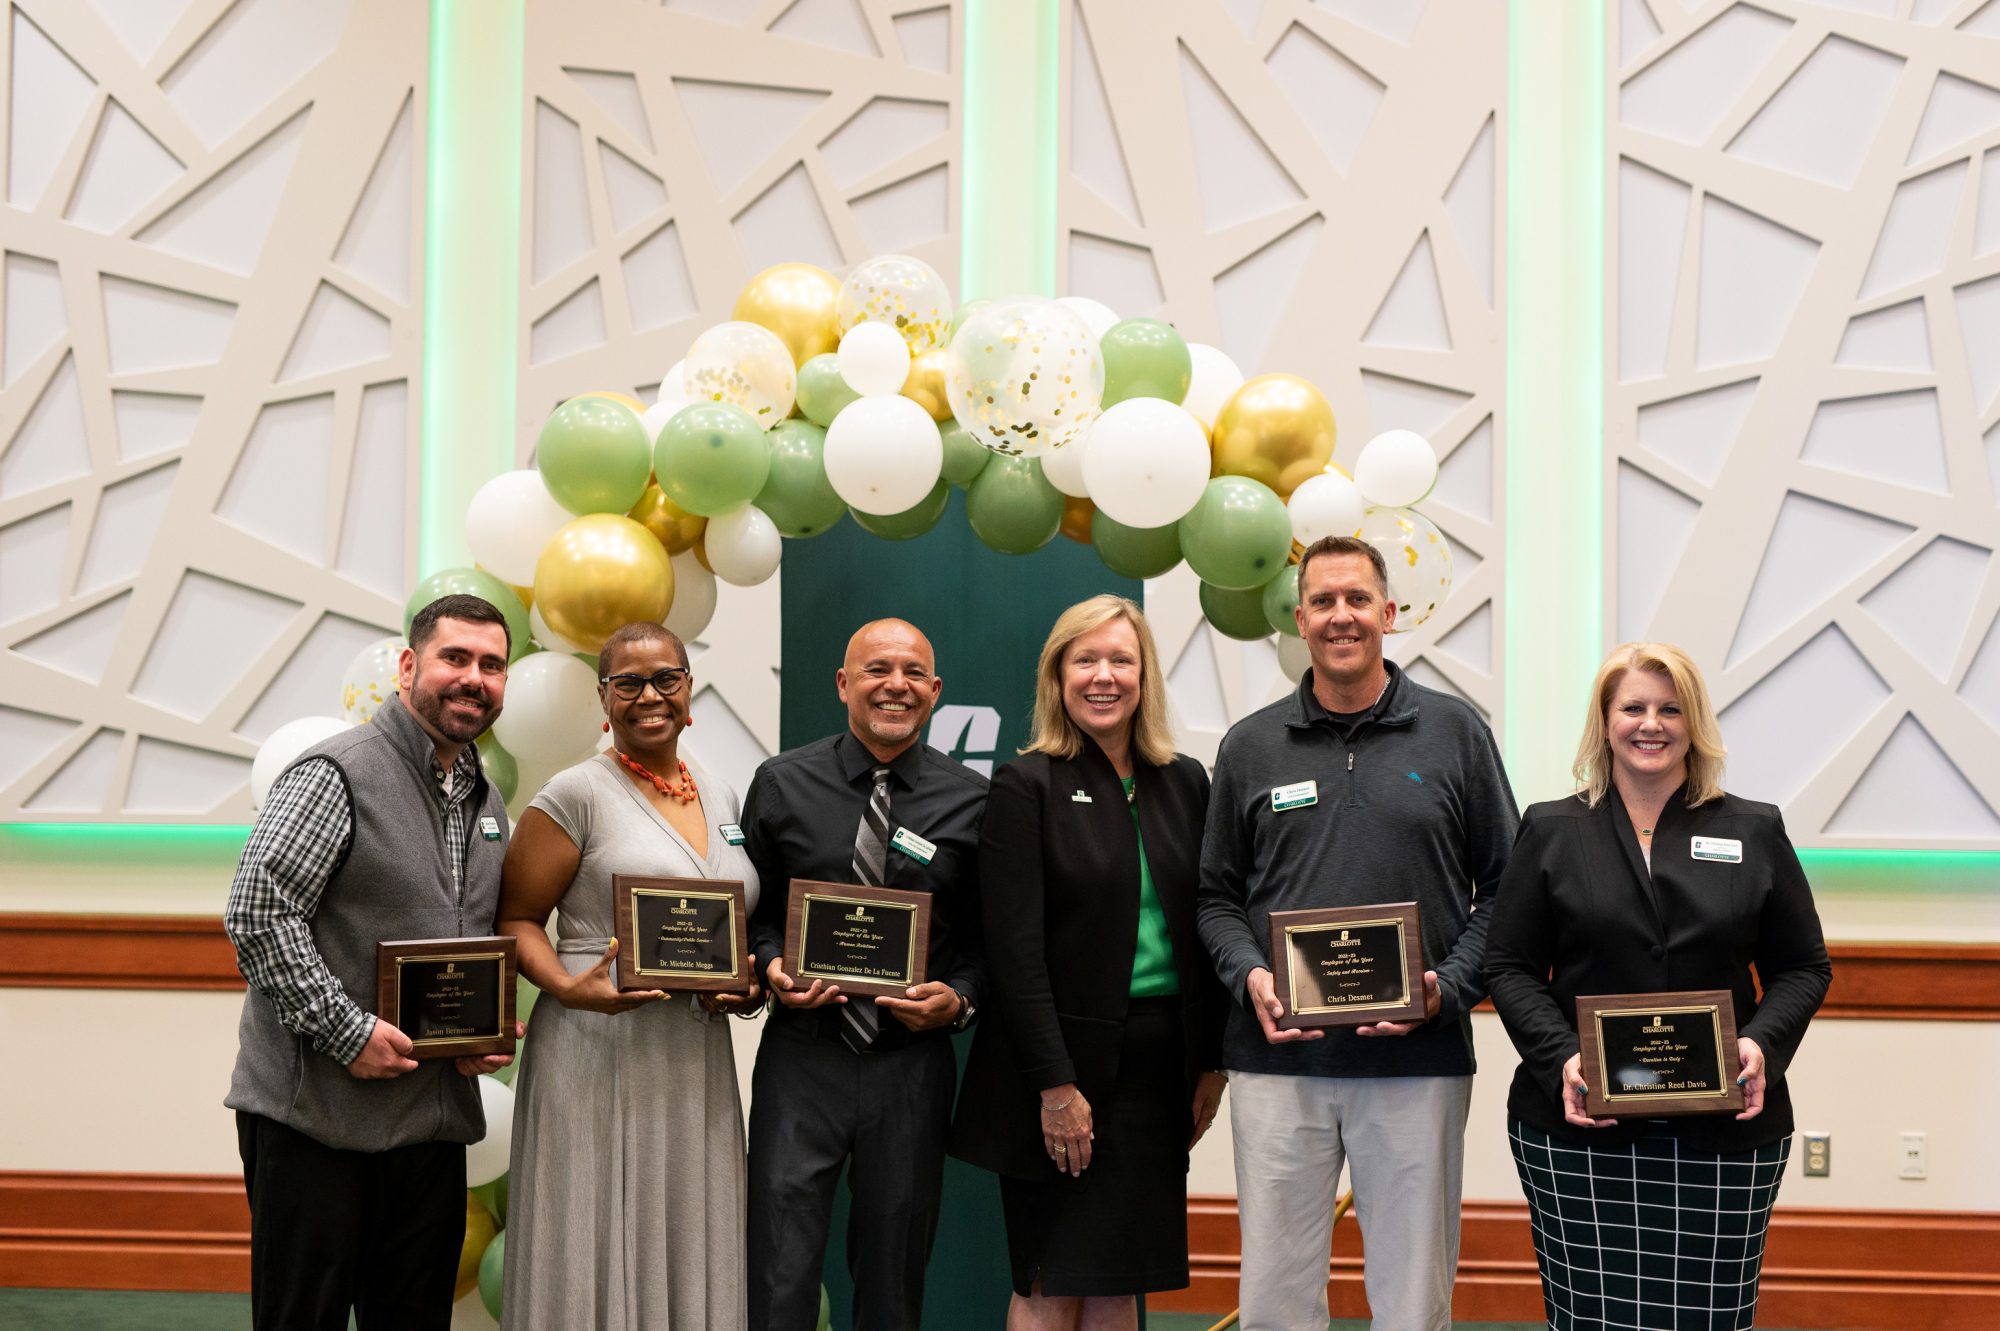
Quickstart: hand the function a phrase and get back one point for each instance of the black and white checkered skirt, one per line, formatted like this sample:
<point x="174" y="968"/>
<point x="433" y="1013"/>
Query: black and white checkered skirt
<point x="1650" y="1236"/>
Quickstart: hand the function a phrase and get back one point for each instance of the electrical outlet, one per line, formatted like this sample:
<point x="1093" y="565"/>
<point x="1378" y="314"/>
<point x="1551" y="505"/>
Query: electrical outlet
<point x="1916" y="1156"/>
<point x="1819" y="1154"/>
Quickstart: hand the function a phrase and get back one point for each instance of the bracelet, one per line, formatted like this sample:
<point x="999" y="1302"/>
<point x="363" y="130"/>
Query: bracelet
<point x="1057" y="1109"/>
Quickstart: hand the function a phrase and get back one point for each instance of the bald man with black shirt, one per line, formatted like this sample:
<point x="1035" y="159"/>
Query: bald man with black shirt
<point x="842" y="1079"/>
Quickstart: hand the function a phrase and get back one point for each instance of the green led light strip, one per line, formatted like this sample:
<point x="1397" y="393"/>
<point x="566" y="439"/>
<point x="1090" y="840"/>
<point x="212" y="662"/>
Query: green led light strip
<point x="1553" y="614"/>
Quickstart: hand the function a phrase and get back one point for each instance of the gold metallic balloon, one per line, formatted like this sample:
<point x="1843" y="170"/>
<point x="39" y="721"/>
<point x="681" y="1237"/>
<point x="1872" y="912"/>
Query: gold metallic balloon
<point x="1077" y="516"/>
<point x="600" y="573"/>
<point x="1277" y="429"/>
<point x="527" y="595"/>
<point x="925" y="386"/>
<point x="480" y="1227"/>
<point x="676" y="528"/>
<point x="700" y="548"/>
<point x="795" y="301"/>
<point x="622" y="399"/>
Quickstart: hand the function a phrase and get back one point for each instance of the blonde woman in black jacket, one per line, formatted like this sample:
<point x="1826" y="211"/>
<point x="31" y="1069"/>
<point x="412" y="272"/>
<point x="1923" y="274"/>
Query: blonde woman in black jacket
<point x="1094" y="1073"/>
<point x="1652" y="1223"/>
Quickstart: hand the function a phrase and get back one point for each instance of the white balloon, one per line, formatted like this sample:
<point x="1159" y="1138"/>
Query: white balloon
<point x="1214" y="380"/>
<point x="1396" y="469"/>
<point x="1148" y="462"/>
<point x="883" y="454"/>
<point x="673" y="383"/>
<point x="284" y="746"/>
<point x="508" y="522"/>
<point x="694" y="597"/>
<point x="1096" y="315"/>
<point x="1294" y="656"/>
<point x="1064" y="467"/>
<point x="551" y="640"/>
<point x="1325" y="505"/>
<point x="552" y="716"/>
<point x="873" y="359"/>
<point x="743" y="547"/>
<point x="486" y="1159"/>
<point x="370" y="678"/>
<point x="656" y="417"/>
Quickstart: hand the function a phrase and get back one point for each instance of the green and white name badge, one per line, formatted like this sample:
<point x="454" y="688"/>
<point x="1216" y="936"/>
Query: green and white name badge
<point x="913" y="845"/>
<point x="1295" y="796"/>
<point x="731" y="833"/>
<point x="489" y="827"/>
<point x="1722" y="850"/>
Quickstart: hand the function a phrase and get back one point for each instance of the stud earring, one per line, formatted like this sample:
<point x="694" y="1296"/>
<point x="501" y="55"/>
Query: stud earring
<point x="607" y="727"/>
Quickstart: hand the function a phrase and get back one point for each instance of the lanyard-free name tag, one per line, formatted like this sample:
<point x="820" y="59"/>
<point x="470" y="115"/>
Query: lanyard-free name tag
<point x="1720" y="849"/>
<point x="489" y="827"/>
<point x="731" y="833"/>
<point x="913" y="845"/>
<point x="1295" y="796"/>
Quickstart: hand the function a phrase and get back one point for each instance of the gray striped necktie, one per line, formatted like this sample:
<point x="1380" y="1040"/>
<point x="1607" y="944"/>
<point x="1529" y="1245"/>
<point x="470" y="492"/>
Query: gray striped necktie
<point x="862" y="1020"/>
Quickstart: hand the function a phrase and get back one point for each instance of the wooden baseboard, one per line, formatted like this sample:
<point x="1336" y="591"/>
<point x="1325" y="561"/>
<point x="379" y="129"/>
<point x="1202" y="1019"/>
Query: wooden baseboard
<point x="182" y="1232"/>
<point x="85" y="951"/>
<point x="1863" y="1270"/>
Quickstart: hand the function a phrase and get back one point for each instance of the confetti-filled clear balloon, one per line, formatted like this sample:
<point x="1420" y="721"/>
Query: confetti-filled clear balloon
<point x="1026" y="376"/>
<point x="370" y="679"/>
<point x="746" y="365"/>
<point x="905" y="293"/>
<point x="1419" y="560"/>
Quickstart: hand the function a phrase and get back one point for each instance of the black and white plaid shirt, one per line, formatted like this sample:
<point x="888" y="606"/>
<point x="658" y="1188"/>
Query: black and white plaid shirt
<point x="302" y="832"/>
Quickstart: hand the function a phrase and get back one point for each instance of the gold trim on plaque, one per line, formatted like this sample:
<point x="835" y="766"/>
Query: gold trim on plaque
<point x="805" y="936"/>
<point x="1297" y="972"/>
<point x="500" y="1001"/>
<point x="678" y="972"/>
<point x="1714" y="1014"/>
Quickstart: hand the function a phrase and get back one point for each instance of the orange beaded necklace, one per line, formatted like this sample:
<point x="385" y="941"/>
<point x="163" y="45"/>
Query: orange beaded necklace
<point x="682" y="790"/>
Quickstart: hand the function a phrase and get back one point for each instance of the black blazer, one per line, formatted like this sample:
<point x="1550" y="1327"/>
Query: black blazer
<point x="1578" y="913"/>
<point x="1059" y="902"/>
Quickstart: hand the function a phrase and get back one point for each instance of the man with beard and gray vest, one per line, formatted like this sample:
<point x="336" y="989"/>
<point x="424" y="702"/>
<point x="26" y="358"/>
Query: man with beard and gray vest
<point x="353" y="1152"/>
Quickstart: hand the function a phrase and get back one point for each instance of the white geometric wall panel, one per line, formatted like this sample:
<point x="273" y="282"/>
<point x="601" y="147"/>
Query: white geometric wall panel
<point x="209" y="347"/>
<point x="1803" y="400"/>
<point x="673" y="151"/>
<point x="1314" y="188"/>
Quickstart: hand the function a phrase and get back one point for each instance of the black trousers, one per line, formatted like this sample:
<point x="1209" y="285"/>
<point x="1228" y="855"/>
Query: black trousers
<point x="378" y="1232"/>
<point x="816" y="1104"/>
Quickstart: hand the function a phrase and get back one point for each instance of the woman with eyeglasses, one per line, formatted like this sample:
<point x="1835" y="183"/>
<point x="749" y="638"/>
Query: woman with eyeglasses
<point x="627" y="1193"/>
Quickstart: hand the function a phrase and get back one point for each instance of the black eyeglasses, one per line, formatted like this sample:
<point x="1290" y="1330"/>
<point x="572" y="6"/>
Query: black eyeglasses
<point x="666" y="683"/>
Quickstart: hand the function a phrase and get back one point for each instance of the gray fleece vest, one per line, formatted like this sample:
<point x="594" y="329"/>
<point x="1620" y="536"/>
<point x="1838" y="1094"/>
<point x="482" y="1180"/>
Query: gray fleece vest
<point x="395" y="883"/>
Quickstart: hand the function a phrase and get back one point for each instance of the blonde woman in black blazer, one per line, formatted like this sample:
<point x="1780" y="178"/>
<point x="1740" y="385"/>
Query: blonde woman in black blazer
<point x="1661" y="1223"/>
<point x="1095" y="1073"/>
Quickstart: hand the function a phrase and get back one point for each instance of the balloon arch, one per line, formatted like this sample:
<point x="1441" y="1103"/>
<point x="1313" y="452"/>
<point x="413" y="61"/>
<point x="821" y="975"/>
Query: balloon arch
<point x="874" y="396"/>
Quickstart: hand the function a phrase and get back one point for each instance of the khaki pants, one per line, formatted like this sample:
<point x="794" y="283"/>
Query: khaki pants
<point x="1403" y="1139"/>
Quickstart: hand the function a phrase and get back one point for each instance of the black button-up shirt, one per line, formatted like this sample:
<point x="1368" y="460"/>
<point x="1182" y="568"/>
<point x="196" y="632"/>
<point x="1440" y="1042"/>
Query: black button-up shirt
<point x="799" y="819"/>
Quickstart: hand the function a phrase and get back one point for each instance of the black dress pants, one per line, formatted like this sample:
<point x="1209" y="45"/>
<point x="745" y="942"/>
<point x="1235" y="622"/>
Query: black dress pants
<point x="378" y="1232"/>
<point x="816" y="1104"/>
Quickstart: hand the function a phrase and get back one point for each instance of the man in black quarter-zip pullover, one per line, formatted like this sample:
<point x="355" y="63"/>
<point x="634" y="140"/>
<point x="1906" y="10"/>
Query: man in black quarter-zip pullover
<point x="1362" y="788"/>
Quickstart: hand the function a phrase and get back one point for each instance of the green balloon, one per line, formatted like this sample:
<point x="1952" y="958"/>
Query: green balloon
<point x="1144" y="358"/>
<point x="964" y="456"/>
<point x="821" y="391"/>
<point x="491" y="1266"/>
<point x="1238" y="614"/>
<point x="913" y="521"/>
<point x="1281" y="597"/>
<point x="474" y="582"/>
<point x="1238" y="534"/>
<point x="501" y="769"/>
<point x="493" y="1196"/>
<point x="593" y="456"/>
<point x="1135" y="552"/>
<point x="1012" y="507"/>
<point x="797" y="495"/>
<point x="711" y="458"/>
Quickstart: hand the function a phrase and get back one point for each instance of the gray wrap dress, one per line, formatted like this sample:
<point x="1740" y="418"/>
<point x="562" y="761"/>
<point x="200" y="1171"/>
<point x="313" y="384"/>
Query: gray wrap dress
<point x="626" y="1210"/>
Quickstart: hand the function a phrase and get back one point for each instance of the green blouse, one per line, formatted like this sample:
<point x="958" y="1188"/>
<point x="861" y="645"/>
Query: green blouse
<point x="1153" y="970"/>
